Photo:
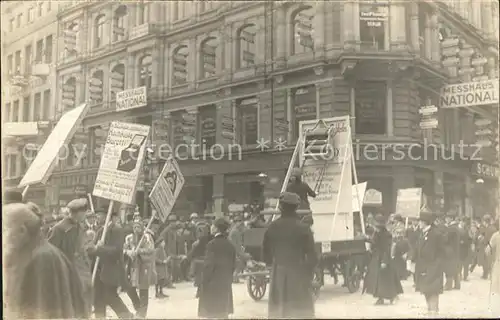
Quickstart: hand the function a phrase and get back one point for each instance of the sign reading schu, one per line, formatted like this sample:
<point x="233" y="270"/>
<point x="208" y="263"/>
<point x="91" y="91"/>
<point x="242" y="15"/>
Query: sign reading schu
<point x="121" y="162"/>
<point x="132" y="98"/>
<point x="469" y="94"/>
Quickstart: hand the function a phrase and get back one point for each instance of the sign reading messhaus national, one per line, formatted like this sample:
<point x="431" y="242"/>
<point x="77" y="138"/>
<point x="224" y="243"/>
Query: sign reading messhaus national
<point x="131" y="99"/>
<point x="121" y="162"/>
<point x="469" y="94"/>
<point x="41" y="168"/>
<point x="167" y="188"/>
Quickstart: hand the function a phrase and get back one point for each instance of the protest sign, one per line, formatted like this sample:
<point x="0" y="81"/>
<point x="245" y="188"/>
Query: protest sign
<point x="408" y="202"/>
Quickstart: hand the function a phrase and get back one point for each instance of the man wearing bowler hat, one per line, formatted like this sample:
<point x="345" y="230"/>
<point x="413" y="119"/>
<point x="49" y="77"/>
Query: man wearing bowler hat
<point x="429" y="264"/>
<point x="288" y="247"/>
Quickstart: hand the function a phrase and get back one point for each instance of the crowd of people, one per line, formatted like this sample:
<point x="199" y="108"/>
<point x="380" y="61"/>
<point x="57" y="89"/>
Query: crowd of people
<point x="49" y="263"/>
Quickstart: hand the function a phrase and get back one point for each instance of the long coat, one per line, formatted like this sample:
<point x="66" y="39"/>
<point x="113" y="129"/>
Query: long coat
<point x="381" y="282"/>
<point x="161" y="263"/>
<point x="215" y="291"/>
<point x="486" y="233"/>
<point x="495" y="271"/>
<point x="197" y="256"/>
<point x="401" y="247"/>
<point x="289" y="247"/>
<point x="429" y="264"/>
<point x="142" y="272"/>
<point x="452" y="248"/>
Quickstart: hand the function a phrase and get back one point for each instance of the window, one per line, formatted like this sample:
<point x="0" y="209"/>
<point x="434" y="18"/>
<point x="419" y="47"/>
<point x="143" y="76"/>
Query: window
<point x="29" y="56"/>
<point x="181" y="9"/>
<point x="117" y="83"/>
<point x="373" y="26"/>
<point x="10" y="64"/>
<point x="12" y="24"/>
<point x="96" y="87"/>
<point x="143" y="13"/>
<point x="146" y="71"/>
<point x="99" y="31"/>
<point x="208" y="58"/>
<point x="207" y="5"/>
<point x="26" y="109"/>
<point x="119" y="23"/>
<point x="19" y="20"/>
<point x="7" y="113"/>
<point x="48" y="49"/>
<point x="39" y="51"/>
<point x="304" y="106"/>
<point x="247" y="121"/>
<point x="15" y="111"/>
<point x="18" y="62"/>
<point x="31" y="15"/>
<point x="303" y="31"/>
<point x="37" y="107"/>
<point x="40" y="9"/>
<point x="371" y="107"/>
<point x="70" y="39"/>
<point x="208" y="116"/>
<point x="13" y="165"/>
<point x="69" y="93"/>
<point x="246" y="46"/>
<point x="180" y="65"/>
<point x="49" y="6"/>
<point x="422" y="22"/>
<point x="46" y="105"/>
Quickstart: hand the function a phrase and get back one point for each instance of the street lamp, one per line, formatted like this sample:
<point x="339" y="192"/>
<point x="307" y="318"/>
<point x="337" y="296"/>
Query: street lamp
<point x="479" y="181"/>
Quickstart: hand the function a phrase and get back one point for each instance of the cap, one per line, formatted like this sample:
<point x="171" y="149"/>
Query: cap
<point x="398" y="217"/>
<point x="11" y="196"/>
<point x="380" y="220"/>
<point x="290" y="198"/>
<point x="194" y="215"/>
<point x="237" y="218"/>
<point x="80" y="204"/>
<point x="296" y="172"/>
<point x="221" y="224"/>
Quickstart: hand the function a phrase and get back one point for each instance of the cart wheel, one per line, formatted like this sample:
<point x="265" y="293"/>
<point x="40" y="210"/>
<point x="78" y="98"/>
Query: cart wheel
<point x="354" y="281"/>
<point x="256" y="287"/>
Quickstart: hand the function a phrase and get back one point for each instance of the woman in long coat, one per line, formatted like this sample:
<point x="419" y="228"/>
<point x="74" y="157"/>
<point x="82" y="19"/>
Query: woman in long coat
<point x="215" y="291"/>
<point x="382" y="280"/>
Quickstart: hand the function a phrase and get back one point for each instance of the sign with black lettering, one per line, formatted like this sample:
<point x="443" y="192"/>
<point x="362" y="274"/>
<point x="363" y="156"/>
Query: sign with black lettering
<point x="485" y="170"/>
<point x="469" y="94"/>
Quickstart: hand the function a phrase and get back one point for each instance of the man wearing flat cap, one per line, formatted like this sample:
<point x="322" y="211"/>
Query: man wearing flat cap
<point x="69" y="236"/>
<point x="288" y="247"/>
<point x="429" y="264"/>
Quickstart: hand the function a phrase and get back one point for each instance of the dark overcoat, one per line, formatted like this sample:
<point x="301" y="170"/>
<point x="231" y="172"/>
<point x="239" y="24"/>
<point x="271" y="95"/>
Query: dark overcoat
<point x="402" y="247"/>
<point x="289" y="247"/>
<point x="303" y="190"/>
<point x="465" y="246"/>
<point x="381" y="282"/>
<point x="452" y="248"/>
<point x="429" y="264"/>
<point x="66" y="235"/>
<point x="215" y="291"/>
<point x="196" y="256"/>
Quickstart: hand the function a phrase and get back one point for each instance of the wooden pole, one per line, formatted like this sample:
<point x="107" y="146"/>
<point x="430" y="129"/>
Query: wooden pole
<point x="144" y="233"/>
<point x="360" y="200"/>
<point x="25" y="191"/>
<point x="103" y="237"/>
<point x="89" y="196"/>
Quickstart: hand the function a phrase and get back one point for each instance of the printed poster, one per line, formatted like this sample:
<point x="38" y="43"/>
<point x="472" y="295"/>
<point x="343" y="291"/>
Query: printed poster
<point x="121" y="162"/>
<point x="408" y="202"/>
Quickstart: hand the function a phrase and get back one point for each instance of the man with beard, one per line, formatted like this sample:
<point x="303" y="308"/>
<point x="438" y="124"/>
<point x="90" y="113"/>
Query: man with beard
<point x="288" y="247"/>
<point x="69" y="236"/>
<point x="40" y="282"/>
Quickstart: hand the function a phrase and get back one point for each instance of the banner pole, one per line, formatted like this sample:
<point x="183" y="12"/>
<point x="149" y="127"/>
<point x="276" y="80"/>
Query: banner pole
<point x="144" y="233"/>
<point x="89" y="196"/>
<point x="360" y="200"/>
<point x="103" y="237"/>
<point x="25" y="191"/>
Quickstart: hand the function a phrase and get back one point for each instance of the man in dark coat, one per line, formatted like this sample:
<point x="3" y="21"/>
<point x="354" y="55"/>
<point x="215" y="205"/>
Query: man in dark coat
<point x="300" y="188"/>
<point x="110" y="272"/>
<point x="452" y="262"/>
<point x="465" y="249"/>
<point x="39" y="281"/>
<point x="236" y="237"/>
<point x="382" y="280"/>
<point x="69" y="236"/>
<point x="288" y="247"/>
<point x="429" y="256"/>
<point x="486" y="231"/>
<point x="215" y="291"/>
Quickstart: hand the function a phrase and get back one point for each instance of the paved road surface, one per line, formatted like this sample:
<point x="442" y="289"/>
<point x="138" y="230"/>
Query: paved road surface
<point x="336" y="302"/>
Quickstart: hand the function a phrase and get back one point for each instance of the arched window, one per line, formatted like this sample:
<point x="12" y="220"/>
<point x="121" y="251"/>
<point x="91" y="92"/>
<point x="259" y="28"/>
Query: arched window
<point x="302" y="25"/>
<point x="119" y="21"/>
<point x="70" y="36"/>
<point x="146" y="71"/>
<point x="246" y="46"/>
<point x="143" y="13"/>
<point x="99" y="30"/>
<point x="180" y="65"/>
<point x="117" y="83"/>
<point x="208" y="58"/>
<point x="69" y="93"/>
<point x="96" y="87"/>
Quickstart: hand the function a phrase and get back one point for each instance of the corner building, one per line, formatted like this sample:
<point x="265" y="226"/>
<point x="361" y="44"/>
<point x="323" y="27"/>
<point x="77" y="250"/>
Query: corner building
<point x="227" y="73"/>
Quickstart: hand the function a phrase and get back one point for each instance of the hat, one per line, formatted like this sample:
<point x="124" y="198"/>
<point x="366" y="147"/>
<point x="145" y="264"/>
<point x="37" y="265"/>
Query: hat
<point x="221" y="224"/>
<point x="290" y="198"/>
<point x="237" y="217"/>
<point x="78" y="205"/>
<point x="11" y="196"/>
<point x="380" y="220"/>
<point x="194" y="215"/>
<point x="398" y="217"/>
<point x="427" y="217"/>
<point x="296" y="172"/>
<point x="137" y="222"/>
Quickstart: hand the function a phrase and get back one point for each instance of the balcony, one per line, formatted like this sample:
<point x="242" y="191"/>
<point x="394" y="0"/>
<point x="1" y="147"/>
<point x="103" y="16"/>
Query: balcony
<point x="143" y="30"/>
<point x="20" y="129"/>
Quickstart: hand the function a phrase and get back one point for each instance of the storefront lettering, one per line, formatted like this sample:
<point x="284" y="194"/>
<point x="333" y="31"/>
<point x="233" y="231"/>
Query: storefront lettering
<point x="485" y="170"/>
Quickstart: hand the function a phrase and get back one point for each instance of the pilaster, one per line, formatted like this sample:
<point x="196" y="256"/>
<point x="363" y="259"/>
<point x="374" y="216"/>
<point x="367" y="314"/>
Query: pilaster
<point x="414" y="26"/>
<point x="436" y="46"/>
<point x="226" y="124"/>
<point x="319" y="26"/>
<point x="281" y="33"/>
<point x="130" y="77"/>
<point x="325" y="99"/>
<point x="265" y="124"/>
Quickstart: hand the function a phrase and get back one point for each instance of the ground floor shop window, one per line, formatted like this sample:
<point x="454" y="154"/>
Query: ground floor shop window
<point x="371" y="107"/>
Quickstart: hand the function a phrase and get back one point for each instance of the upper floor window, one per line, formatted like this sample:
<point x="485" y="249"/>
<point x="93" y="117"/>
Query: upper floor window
<point x="208" y="58"/>
<point x="69" y="93"/>
<point x="373" y="26"/>
<point x="96" y="87"/>
<point x="207" y="5"/>
<point x="10" y="64"/>
<point x="181" y="9"/>
<point x="46" y="105"/>
<point x="28" y="53"/>
<point x="19" y="20"/>
<point x="303" y="107"/>
<point x="39" y="51"/>
<point x="146" y="71"/>
<point x="246" y="46"/>
<point x="70" y="36"/>
<point x="26" y="109"/>
<point x="12" y="24"/>
<point x="119" y="23"/>
<point x="40" y="9"/>
<point x="15" y="111"/>
<point x="180" y="65"/>
<point x="99" y="31"/>
<point x="303" y="31"/>
<point x="117" y="83"/>
<point x="7" y="113"/>
<point x="31" y="14"/>
<point x="247" y="120"/>
<point x="208" y="115"/>
<point x="48" y="49"/>
<point x="37" y="106"/>
<point x="144" y="13"/>
<point x="17" y="62"/>
<point x="371" y="107"/>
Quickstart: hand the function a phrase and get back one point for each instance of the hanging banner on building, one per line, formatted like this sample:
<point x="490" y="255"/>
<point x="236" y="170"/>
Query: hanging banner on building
<point x="131" y="99"/>
<point x="408" y="202"/>
<point x="41" y="168"/>
<point x="469" y="94"/>
<point x="121" y="162"/>
<point x="358" y="196"/>
<point x="167" y="188"/>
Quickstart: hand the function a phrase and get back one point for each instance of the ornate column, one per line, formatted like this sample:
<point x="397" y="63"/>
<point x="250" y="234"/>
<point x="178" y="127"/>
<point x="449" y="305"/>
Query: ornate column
<point x="156" y="64"/>
<point x="319" y="25"/>
<point x="436" y="47"/>
<point x="398" y="28"/>
<point x="131" y="71"/>
<point x="414" y="27"/>
<point x="428" y="42"/>
<point x="390" y="109"/>
<point x="355" y="20"/>
<point x="348" y="24"/>
<point x="193" y="59"/>
<point x="281" y="36"/>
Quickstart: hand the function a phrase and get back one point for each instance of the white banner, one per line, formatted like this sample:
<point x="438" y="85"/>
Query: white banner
<point x="408" y="202"/>
<point x="41" y="168"/>
<point x="121" y="162"/>
<point x="131" y="99"/>
<point x="469" y="94"/>
<point x="167" y="189"/>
